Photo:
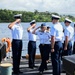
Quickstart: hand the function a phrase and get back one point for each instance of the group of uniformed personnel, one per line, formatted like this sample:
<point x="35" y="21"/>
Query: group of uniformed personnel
<point x="50" y="42"/>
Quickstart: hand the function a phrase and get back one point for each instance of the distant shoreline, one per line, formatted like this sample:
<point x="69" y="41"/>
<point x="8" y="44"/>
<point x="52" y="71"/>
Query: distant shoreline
<point x="27" y="16"/>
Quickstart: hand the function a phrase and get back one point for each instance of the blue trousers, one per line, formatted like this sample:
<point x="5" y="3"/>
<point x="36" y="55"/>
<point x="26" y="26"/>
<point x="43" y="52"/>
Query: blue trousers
<point x="31" y="52"/>
<point x="44" y="50"/>
<point x="74" y="48"/>
<point x="69" y="49"/>
<point x="49" y="50"/>
<point x="16" y="52"/>
<point x="56" y="58"/>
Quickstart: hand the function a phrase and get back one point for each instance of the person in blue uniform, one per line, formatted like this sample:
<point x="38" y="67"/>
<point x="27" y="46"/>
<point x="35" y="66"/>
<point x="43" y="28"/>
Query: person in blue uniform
<point x="68" y="33"/>
<point x="17" y="33"/>
<point x="74" y="41"/>
<point x="44" y="46"/>
<point x="56" y="44"/>
<point x="31" y="44"/>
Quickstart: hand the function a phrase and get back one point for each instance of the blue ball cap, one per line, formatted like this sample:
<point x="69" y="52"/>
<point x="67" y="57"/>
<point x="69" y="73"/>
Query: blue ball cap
<point x="43" y="24"/>
<point x="48" y="26"/>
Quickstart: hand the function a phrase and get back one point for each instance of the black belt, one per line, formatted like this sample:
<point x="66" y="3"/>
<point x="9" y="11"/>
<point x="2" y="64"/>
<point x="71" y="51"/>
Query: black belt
<point x="32" y="41"/>
<point x="17" y="40"/>
<point x="44" y="44"/>
<point x="57" y="41"/>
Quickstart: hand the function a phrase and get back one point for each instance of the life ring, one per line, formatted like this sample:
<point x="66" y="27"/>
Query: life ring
<point x="8" y="41"/>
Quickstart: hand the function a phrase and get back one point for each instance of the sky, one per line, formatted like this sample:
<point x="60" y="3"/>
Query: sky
<point x="58" y="6"/>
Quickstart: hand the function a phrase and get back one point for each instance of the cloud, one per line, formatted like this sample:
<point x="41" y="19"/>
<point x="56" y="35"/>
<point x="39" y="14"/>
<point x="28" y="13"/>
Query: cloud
<point x="59" y="6"/>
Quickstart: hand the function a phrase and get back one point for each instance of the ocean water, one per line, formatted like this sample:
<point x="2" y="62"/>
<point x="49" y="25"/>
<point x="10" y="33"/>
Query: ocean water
<point x="5" y="32"/>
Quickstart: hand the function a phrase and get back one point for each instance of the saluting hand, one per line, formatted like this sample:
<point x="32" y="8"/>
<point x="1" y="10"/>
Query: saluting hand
<point x="33" y="26"/>
<point x="39" y="27"/>
<point x="13" y="23"/>
<point x="18" y="20"/>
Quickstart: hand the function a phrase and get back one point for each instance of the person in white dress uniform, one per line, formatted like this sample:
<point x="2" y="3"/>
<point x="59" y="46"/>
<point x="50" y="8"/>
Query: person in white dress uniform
<point x="56" y="44"/>
<point x="17" y="33"/>
<point x="68" y="33"/>
<point x="31" y="44"/>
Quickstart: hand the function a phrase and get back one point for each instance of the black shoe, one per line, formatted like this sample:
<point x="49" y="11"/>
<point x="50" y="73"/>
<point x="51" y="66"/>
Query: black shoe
<point x="16" y="73"/>
<point x="46" y="68"/>
<point x="63" y="71"/>
<point x="20" y="72"/>
<point x="31" y="67"/>
<point x="41" y="72"/>
<point x="35" y="66"/>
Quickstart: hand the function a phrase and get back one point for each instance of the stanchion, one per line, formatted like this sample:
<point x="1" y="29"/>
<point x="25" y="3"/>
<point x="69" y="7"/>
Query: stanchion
<point x="6" y="69"/>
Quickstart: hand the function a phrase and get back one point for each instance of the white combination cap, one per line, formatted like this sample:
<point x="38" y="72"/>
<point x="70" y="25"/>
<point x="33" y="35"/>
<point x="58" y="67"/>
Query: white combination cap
<point x="33" y="21"/>
<point x="18" y="16"/>
<point x="68" y="20"/>
<point x="55" y="16"/>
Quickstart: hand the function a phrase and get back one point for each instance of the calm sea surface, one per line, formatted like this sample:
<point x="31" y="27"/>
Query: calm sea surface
<point x="5" y="32"/>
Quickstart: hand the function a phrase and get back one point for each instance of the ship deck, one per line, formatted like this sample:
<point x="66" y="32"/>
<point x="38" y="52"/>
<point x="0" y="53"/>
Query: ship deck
<point x="27" y="71"/>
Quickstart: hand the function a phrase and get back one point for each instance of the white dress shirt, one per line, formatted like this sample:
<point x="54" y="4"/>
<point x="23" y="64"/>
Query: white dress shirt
<point x="57" y="31"/>
<point x="32" y="37"/>
<point x="17" y="31"/>
<point x="69" y="32"/>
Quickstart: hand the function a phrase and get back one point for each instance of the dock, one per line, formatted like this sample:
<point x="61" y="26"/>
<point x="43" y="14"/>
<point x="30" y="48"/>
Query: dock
<point x="27" y="71"/>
